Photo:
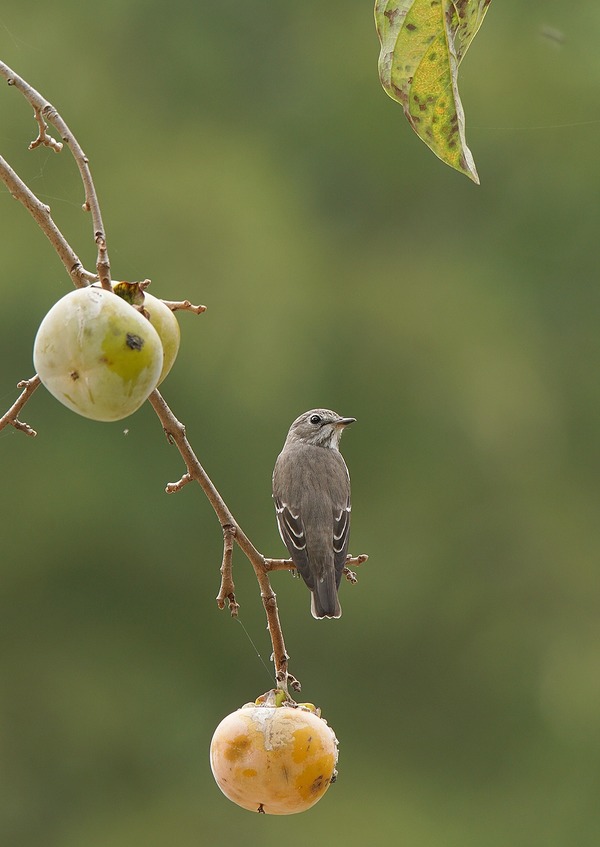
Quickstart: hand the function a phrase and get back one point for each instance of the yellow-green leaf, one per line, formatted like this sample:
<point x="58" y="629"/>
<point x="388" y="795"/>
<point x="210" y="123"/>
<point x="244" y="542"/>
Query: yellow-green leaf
<point x="467" y="17"/>
<point x="422" y="45"/>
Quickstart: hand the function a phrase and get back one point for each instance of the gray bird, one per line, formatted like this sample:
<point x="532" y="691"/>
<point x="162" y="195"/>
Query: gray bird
<point x="311" y="490"/>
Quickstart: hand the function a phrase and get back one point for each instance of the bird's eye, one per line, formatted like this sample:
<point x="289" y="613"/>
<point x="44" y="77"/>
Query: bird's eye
<point x="315" y="419"/>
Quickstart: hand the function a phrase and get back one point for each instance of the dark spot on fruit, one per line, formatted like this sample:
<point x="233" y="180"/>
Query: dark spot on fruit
<point x="237" y="748"/>
<point x="134" y="342"/>
<point x="261" y="809"/>
<point x="317" y="783"/>
<point x="74" y="375"/>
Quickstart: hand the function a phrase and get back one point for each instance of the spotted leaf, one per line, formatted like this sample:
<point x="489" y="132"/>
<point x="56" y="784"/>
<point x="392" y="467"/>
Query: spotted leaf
<point x="422" y="45"/>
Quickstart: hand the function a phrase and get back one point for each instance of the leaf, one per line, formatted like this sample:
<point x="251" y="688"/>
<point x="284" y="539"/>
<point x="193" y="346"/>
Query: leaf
<point x="422" y="44"/>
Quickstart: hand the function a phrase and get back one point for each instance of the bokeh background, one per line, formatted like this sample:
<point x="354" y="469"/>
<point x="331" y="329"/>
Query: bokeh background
<point x="246" y="157"/>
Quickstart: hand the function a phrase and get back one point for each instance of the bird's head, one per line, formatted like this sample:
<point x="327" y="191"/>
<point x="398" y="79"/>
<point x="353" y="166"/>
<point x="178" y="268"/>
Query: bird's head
<point x="320" y="427"/>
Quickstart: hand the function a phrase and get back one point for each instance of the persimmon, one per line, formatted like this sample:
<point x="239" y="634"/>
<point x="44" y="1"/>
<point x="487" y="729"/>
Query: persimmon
<point x="273" y="758"/>
<point x="97" y="354"/>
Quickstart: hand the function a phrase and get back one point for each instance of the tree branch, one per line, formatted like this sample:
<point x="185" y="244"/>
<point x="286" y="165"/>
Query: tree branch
<point x="227" y="589"/>
<point x="173" y="305"/>
<point x="185" y="306"/>
<point x="288" y="564"/>
<point x="10" y="417"/>
<point x="174" y="430"/>
<point x="43" y="138"/>
<point x="41" y="215"/>
<point x="43" y="110"/>
<point x="176" y="434"/>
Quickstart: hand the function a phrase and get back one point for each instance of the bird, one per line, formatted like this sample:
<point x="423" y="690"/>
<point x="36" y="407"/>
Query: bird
<point x="311" y="491"/>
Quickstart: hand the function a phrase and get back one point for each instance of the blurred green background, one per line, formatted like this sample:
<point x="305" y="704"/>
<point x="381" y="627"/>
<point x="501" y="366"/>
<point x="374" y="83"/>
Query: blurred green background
<point x="246" y="158"/>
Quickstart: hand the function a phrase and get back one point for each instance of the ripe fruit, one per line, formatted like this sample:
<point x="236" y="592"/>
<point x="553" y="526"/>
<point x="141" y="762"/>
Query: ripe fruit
<point x="97" y="354"/>
<point x="278" y="760"/>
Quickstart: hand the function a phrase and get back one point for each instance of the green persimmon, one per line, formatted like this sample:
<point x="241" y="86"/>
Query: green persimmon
<point x="165" y="323"/>
<point x="97" y="354"/>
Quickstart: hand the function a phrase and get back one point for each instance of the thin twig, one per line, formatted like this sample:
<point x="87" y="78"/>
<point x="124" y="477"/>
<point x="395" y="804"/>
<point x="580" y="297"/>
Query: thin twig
<point x="288" y="564"/>
<point x="10" y="417"/>
<point x="43" y="138"/>
<point x="227" y="589"/>
<point x="45" y="111"/>
<point x="184" y="305"/>
<point x="173" y="305"/>
<point x="174" y="487"/>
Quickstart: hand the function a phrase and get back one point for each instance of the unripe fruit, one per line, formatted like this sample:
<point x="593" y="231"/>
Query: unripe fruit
<point x="278" y="760"/>
<point x="160" y="316"/>
<point x="165" y="323"/>
<point x="97" y="354"/>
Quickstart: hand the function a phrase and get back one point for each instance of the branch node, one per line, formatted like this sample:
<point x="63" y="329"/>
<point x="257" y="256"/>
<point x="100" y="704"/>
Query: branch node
<point x="24" y="427"/>
<point x="294" y="683"/>
<point x="227" y="588"/>
<point x="285" y="680"/>
<point x="353" y="560"/>
<point x="174" y="487"/>
<point x="28" y="386"/>
<point x="43" y="138"/>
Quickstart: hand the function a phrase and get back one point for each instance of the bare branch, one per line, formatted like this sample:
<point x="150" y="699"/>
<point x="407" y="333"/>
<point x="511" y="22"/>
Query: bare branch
<point x="175" y="432"/>
<point x="174" y="305"/>
<point x="227" y="589"/>
<point x="279" y="565"/>
<point x="356" y="560"/>
<point x="288" y="565"/>
<point x="45" y="111"/>
<point x="41" y="215"/>
<point x="174" y="487"/>
<point x="184" y="305"/>
<point x="10" y="417"/>
<point x="43" y="138"/>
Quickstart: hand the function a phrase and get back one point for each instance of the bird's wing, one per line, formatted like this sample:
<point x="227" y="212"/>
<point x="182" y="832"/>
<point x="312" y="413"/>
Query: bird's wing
<point x="341" y="537"/>
<point x="293" y="536"/>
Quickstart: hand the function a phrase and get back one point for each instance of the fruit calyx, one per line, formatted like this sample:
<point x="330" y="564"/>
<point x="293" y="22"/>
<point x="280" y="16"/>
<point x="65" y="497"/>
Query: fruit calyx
<point x="277" y="697"/>
<point x="131" y="292"/>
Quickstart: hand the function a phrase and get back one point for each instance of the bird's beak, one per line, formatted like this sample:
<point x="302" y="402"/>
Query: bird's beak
<point x="345" y="421"/>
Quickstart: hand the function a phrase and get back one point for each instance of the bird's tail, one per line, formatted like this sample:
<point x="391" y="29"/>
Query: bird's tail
<point x="324" y="602"/>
